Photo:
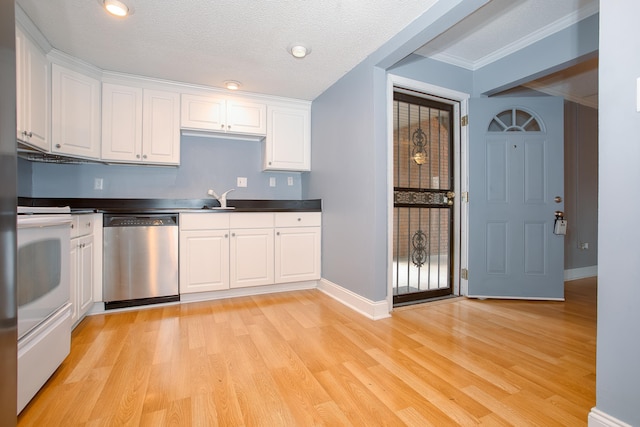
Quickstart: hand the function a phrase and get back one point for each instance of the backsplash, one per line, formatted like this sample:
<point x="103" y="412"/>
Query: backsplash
<point x="205" y="163"/>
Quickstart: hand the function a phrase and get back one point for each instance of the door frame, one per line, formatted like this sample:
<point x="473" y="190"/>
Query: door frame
<point x="460" y="101"/>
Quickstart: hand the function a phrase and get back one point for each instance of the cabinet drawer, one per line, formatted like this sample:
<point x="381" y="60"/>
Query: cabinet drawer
<point x="298" y="219"/>
<point x="251" y="220"/>
<point x="81" y="225"/>
<point x="204" y="221"/>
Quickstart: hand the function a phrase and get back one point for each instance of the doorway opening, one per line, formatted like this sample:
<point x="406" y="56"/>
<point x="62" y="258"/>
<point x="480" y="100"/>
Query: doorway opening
<point x="423" y="198"/>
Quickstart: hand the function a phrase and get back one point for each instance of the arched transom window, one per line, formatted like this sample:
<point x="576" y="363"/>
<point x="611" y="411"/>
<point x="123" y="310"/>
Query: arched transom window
<point x="515" y="120"/>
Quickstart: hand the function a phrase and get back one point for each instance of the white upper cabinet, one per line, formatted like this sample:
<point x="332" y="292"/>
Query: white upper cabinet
<point x="75" y="121"/>
<point x="288" y="142"/>
<point x="161" y="127"/>
<point x="33" y="88"/>
<point x="121" y="123"/>
<point x="140" y="125"/>
<point x="223" y="115"/>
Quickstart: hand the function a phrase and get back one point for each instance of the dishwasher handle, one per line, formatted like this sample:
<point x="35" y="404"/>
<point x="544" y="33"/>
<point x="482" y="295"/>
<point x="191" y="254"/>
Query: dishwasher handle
<point x="145" y="220"/>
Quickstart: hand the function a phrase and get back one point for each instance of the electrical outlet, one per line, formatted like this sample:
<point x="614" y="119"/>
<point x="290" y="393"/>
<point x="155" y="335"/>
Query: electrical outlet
<point x="242" y="181"/>
<point x="272" y="181"/>
<point x="98" y="184"/>
<point x="289" y="181"/>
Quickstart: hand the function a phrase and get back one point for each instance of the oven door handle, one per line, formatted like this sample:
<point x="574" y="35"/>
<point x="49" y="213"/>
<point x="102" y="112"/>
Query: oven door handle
<point x="38" y="221"/>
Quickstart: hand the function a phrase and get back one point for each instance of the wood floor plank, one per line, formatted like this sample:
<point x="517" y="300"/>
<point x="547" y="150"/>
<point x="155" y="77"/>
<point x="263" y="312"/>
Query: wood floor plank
<point x="303" y="359"/>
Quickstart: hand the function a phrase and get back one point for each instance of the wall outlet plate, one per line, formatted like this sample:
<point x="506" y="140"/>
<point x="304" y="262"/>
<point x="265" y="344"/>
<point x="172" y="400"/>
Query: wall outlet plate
<point x="272" y="181"/>
<point x="242" y="181"/>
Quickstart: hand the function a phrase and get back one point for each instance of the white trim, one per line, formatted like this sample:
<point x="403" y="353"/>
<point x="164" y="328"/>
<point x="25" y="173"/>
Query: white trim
<point x="597" y="418"/>
<point x="374" y="310"/>
<point x="580" y="273"/>
<point x="529" y="39"/>
<point x="515" y="298"/>
<point x="459" y="100"/>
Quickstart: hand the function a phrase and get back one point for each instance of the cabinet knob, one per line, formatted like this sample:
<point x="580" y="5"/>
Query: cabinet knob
<point x="221" y="126"/>
<point x="58" y="145"/>
<point x="299" y="219"/>
<point x="30" y="134"/>
<point x="144" y="156"/>
<point x="72" y="226"/>
<point x="226" y="235"/>
<point x="233" y="234"/>
<point x="137" y="156"/>
<point x="277" y="233"/>
<point x="89" y="224"/>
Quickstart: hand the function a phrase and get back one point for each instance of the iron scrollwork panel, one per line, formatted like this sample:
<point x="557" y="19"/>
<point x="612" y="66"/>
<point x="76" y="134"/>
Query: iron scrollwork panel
<point x="408" y="198"/>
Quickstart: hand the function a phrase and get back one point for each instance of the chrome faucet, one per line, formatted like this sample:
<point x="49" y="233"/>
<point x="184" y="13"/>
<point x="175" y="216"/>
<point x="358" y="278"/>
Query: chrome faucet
<point x="221" y="199"/>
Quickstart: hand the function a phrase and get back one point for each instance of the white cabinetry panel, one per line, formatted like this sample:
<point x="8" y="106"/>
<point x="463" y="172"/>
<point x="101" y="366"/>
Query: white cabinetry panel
<point x="288" y="142"/>
<point x="32" y="93"/>
<point x="75" y="122"/>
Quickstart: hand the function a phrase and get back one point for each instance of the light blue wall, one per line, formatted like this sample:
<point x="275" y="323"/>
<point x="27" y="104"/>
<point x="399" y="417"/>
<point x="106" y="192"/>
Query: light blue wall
<point x="205" y="163"/>
<point x="349" y="158"/>
<point x="24" y="177"/>
<point x="435" y="72"/>
<point x="618" y="346"/>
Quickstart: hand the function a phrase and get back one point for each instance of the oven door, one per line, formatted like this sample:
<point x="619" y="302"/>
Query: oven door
<point x="43" y="268"/>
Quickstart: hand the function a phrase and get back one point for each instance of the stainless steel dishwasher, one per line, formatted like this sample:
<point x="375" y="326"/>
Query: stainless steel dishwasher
<point x="140" y="259"/>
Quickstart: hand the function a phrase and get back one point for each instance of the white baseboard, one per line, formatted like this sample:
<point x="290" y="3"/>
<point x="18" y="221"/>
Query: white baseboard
<point x="374" y="310"/>
<point x="597" y="418"/>
<point x="581" y="273"/>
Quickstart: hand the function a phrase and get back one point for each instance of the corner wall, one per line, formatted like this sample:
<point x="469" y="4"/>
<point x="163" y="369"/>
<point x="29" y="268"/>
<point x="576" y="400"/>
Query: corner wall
<point x="618" y="346"/>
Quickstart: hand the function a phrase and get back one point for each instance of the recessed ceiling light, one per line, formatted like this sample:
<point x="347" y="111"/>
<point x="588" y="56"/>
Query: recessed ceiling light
<point x="232" y="85"/>
<point x="116" y="7"/>
<point x="299" y="51"/>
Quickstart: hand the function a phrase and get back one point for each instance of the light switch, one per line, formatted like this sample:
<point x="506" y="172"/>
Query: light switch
<point x="272" y="181"/>
<point x="289" y="181"/>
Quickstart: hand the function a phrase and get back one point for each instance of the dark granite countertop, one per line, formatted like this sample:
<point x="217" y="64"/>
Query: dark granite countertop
<point x="79" y="205"/>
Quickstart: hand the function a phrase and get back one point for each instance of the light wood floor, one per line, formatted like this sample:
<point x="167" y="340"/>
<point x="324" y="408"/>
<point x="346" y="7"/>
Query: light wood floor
<point x="303" y="359"/>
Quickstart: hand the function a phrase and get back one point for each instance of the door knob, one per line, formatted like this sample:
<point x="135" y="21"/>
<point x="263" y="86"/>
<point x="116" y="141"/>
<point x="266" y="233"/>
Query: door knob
<point x="449" y="197"/>
<point x="557" y="199"/>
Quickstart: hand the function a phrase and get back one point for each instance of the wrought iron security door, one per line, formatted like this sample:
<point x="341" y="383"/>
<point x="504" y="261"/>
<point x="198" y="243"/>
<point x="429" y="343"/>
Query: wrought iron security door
<point x="423" y="199"/>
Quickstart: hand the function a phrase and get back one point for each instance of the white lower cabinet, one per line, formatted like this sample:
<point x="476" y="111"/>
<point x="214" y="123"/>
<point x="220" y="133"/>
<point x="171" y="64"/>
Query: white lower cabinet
<point x="82" y="266"/>
<point x="221" y="251"/>
<point x="251" y="257"/>
<point x="204" y="260"/>
<point x="204" y="252"/>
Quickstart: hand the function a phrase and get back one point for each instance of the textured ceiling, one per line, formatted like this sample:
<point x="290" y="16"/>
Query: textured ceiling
<point x="210" y="41"/>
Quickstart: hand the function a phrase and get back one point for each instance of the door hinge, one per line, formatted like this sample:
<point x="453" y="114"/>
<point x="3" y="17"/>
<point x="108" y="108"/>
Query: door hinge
<point x="464" y="121"/>
<point x="464" y="274"/>
<point x="465" y="196"/>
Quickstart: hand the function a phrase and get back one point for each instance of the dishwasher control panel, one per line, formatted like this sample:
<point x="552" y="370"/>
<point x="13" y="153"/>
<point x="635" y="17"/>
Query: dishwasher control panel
<point x="141" y="220"/>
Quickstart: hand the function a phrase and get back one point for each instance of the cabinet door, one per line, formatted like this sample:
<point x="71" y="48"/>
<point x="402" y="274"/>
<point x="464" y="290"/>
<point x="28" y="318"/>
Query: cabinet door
<point x="204" y="261"/>
<point x="121" y="123"/>
<point x="161" y="127"/>
<point x="75" y="110"/>
<point x="203" y="113"/>
<point x="251" y="257"/>
<point x="288" y="142"/>
<point x="32" y="101"/>
<point x="297" y="256"/>
<point x="246" y="117"/>
<point x="85" y="276"/>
